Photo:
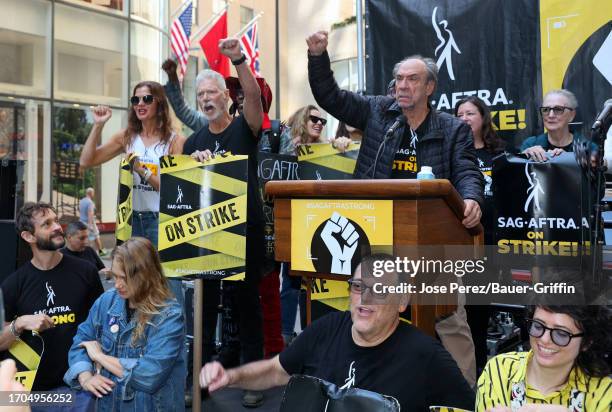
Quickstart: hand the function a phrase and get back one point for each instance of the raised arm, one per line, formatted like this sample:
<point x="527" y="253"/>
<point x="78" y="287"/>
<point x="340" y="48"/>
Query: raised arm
<point x="344" y="105"/>
<point x="193" y="118"/>
<point x="252" y="109"/>
<point x="93" y="155"/>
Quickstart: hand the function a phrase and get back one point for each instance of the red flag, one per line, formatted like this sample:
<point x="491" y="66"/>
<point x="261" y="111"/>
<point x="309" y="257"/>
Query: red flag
<point x="210" y="46"/>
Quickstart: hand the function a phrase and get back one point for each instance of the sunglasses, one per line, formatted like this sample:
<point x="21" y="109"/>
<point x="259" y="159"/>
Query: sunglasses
<point x="557" y="110"/>
<point x="559" y="337"/>
<point x="316" y="119"/>
<point x="146" y="99"/>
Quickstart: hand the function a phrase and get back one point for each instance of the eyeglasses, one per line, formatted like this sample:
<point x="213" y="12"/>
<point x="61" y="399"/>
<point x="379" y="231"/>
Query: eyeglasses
<point x="146" y="99"/>
<point x="557" y="110"/>
<point x="357" y="286"/>
<point x="559" y="337"/>
<point x="316" y="119"/>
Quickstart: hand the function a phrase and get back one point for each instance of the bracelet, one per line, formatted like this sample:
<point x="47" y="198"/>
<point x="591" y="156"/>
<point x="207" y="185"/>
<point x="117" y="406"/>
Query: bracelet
<point x="239" y="61"/>
<point x="14" y="331"/>
<point x="147" y="174"/>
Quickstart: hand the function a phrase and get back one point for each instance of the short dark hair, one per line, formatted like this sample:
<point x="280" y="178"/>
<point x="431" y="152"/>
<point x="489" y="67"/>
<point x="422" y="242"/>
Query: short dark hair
<point x="74" y="227"/>
<point x="23" y="222"/>
<point x="595" y="322"/>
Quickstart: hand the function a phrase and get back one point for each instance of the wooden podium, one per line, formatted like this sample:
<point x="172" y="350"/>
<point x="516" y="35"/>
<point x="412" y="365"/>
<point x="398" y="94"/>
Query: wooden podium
<point x="435" y="221"/>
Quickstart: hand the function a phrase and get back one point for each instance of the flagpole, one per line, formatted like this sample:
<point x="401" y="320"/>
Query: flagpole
<point x="210" y="21"/>
<point x="246" y="26"/>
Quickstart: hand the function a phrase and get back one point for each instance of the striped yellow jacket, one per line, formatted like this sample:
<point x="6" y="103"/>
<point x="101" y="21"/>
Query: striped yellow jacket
<point x="507" y="371"/>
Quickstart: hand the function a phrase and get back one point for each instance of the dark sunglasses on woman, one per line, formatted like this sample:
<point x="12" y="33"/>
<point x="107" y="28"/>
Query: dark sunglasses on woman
<point x="557" y="110"/>
<point x="559" y="337"/>
<point x="146" y="99"/>
<point x="316" y="119"/>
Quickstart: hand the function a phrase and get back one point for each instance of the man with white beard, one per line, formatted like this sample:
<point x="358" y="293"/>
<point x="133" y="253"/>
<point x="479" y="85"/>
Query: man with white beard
<point x="238" y="135"/>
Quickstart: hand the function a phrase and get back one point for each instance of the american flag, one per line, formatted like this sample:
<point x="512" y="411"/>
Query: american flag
<point x="179" y="36"/>
<point x="250" y="45"/>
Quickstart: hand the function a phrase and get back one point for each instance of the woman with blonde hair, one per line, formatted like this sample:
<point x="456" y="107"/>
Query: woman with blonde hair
<point x="129" y="352"/>
<point x="305" y="126"/>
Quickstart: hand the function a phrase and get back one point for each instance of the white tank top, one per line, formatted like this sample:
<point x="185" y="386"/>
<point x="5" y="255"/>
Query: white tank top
<point x="144" y="197"/>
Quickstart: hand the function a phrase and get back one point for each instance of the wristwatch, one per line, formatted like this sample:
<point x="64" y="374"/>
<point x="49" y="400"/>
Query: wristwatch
<point x="13" y="330"/>
<point x="239" y="61"/>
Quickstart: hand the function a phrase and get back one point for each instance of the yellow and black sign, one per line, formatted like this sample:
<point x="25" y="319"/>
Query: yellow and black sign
<point x="27" y="358"/>
<point x="321" y="161"/>
<point x="123" y="228"/>
<point x="202" y="219"/>
<point x="330" y="236"/>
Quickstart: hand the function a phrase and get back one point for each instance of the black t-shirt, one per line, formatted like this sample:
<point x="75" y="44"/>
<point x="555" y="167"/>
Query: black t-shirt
<point x="88" y="254"/>
<point x="550" y="146"/>
<point x="66" y="294"/>
<point x="238" y="139"/>
<point x="405" y="162"/>
<point x="409" y="365"/>
<point x="485" y="164"/>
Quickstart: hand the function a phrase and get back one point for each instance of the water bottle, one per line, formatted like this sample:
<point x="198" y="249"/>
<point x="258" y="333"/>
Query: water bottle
<point x="425" y="173"/>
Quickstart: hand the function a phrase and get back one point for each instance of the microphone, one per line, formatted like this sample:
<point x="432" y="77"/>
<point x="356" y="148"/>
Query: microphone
<point x="399" y="122"/>
<point x="603" y="115"/>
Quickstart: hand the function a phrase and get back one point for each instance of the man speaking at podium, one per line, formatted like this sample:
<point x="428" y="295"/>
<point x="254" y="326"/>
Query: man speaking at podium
<point x="404" y="132"/>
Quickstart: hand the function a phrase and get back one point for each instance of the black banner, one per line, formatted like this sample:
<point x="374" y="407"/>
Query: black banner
<point x="271" y="166"/>
<point x="487" y="48"/>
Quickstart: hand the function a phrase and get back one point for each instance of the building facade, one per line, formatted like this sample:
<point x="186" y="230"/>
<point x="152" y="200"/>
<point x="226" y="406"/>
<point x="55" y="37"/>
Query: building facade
<point x="59" y="58"/>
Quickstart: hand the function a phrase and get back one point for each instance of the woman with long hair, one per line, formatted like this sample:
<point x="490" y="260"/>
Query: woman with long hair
<point x="305" y="126"/>
<point x="566" y="368"/>
<point x="148" y="136"/>
<point x="129" y="353"/>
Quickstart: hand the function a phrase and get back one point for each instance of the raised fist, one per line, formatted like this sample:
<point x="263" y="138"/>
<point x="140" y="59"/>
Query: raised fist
<point x="101" y="114"/>
<point x="230" y="48"/>
<point x="169" y="66"/>
<point x="342" y="254"/>
<point x="317" y="43"/>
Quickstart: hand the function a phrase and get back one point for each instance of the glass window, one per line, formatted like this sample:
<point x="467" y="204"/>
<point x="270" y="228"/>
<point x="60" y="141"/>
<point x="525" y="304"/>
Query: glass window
<point x="146" y="59"/>
<point x="71" y="127"/>
<point x="153" y="12"/>
<point x="24" y="47"/>
<point x="109" y="4"/>
<point x="90" y="57"/>
<point x="246" y="15"/>
<point x="218" y="5"/>
<point x="345" y="73"/>
<point x="24" y="125"/>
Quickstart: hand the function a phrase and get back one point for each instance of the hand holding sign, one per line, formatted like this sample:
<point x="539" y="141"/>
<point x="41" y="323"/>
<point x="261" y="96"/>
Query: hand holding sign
<point x="341" y="254"/>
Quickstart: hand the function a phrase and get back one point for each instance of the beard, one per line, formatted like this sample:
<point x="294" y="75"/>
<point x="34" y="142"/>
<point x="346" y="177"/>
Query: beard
<point x="49" y="244"/>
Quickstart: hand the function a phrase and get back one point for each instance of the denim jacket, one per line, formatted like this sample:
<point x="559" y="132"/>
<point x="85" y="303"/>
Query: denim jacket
<point x="154" y="369"/>
<point x="192" y="118"/>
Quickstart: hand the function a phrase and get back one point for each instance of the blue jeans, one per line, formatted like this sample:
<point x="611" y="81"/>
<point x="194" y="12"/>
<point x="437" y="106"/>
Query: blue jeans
<point x="289" y="296"/>
<point x="145" y="224"/>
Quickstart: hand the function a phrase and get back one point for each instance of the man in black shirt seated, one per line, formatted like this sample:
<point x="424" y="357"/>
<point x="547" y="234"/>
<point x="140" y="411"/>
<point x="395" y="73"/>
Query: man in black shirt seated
<point x="368" y="348"/>
<point x="48" y="297"/>
<point x="76" y="245"/>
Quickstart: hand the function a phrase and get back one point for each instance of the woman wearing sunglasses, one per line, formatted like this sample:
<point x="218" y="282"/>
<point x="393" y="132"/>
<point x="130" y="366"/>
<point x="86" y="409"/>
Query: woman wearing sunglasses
<point x="565" y="370"/>
<point x="557" y="111"/>
<point x="149" y="135"/>
<point x="305" y="127"/>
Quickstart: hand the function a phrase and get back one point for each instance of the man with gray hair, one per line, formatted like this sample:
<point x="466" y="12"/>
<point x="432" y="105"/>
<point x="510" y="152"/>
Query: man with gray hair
<point x="238" y="135"/>
<point x="420" y="135"/>
<point x="76" y="245"/>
